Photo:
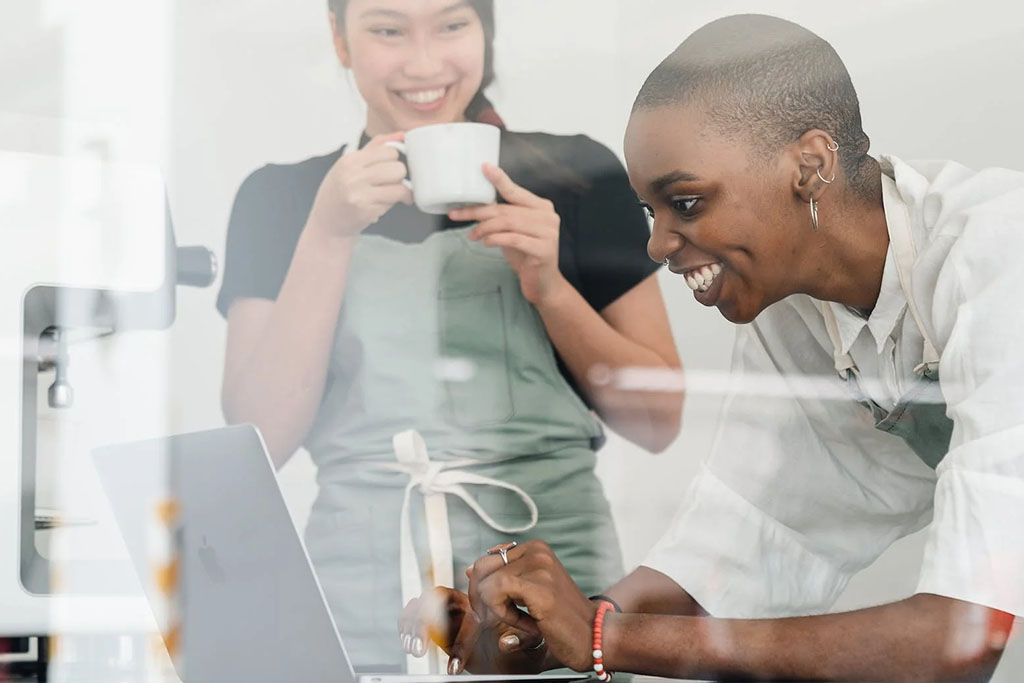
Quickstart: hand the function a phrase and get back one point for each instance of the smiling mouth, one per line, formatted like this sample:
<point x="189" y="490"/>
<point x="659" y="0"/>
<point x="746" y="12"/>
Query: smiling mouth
<point x="701" y="279"/>
<point x="424" y="97"/>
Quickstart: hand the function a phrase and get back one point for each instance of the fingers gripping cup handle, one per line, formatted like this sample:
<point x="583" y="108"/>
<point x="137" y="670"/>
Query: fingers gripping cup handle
<point x="400" y="146"/>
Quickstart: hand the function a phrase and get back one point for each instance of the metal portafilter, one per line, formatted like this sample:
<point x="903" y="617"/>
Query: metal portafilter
<point x="197" y="266"/>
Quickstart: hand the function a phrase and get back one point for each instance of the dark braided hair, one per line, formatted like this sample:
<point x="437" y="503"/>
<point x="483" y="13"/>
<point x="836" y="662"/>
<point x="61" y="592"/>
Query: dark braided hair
<point x="769" y="81"/>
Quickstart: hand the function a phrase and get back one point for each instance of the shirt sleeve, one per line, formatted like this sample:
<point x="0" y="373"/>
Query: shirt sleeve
<point x="610" y="228"/>
<point x="975" y="546"/>
<point x="798" y="493"/>
<point x="263" y="232"/>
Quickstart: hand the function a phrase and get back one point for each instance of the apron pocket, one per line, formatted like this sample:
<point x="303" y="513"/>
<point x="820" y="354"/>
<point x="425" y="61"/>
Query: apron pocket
<point x="474" y="367"/>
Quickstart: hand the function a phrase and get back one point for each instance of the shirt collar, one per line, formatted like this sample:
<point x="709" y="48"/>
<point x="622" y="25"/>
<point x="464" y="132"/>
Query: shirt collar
<point x="849" y="323"/>
<point x="891" y="300"/>
<point x="890" y="305"/>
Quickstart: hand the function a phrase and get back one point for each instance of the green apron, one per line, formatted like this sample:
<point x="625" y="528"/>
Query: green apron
<point x="437" y="337"/>
<point x="919" y="417"/>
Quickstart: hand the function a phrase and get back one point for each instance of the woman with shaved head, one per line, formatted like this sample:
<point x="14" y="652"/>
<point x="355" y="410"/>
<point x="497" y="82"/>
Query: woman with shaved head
<point x="878" y="391"/>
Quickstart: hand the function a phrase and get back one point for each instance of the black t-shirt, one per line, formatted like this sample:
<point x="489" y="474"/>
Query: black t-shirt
<point x="602" y="243"/>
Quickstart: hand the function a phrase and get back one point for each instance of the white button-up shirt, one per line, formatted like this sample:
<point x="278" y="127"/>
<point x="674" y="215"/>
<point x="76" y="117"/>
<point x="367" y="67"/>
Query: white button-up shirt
<point x="800" y="491"/>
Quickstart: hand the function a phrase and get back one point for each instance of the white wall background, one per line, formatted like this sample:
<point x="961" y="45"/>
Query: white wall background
<point x="243" y="82"/>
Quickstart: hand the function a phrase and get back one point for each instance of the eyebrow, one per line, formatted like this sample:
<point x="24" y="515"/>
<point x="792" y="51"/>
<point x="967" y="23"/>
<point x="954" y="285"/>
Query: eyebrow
<point x="379" y="11"/>
<point x="462" y="4"/>
<point x="661" y="182"/>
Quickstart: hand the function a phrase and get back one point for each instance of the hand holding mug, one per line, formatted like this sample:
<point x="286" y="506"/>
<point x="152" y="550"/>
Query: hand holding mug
<point x="526" y="229"/>
<point x="360" y="187"/>
<point x="444" y="164"/>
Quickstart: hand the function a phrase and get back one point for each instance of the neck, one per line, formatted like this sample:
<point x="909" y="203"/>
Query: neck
<point x="850" y="249"/>
<point x="378" y="125"/>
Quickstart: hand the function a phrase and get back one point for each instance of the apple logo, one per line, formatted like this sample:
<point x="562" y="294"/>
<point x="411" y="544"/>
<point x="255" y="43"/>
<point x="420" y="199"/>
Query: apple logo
<point x="208" y="559"/>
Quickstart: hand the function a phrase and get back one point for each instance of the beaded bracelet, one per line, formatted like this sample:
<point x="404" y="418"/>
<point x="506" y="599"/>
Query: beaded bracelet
<point x="602" y="608"/>
<point x="605" y="598"/>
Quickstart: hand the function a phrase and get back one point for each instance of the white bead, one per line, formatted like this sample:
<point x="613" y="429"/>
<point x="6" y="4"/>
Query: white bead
<point x="598" y="654"/>
<point x="599" y="668"/>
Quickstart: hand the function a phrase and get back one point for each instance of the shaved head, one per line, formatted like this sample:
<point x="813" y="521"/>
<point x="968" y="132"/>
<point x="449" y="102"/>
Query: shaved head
<point x="765" y="82"/>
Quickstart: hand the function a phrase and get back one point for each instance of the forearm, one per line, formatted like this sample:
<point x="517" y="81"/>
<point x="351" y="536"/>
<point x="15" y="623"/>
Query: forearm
<point x="921" y="638"/>
<point x="593" y="350"/>
<point x="278" y="384"/>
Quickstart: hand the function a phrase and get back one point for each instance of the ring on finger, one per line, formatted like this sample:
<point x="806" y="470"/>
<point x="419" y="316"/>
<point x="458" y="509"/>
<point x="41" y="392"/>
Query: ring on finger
<point x="542" y="643"/>
<point x="502" y="549"/>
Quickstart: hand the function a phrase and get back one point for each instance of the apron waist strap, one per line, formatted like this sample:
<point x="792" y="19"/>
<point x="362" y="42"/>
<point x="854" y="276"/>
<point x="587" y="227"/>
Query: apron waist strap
<point x="436" y="480"/>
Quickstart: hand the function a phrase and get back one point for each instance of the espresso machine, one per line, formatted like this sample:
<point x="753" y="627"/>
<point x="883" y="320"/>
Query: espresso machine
<point x="89" y="269"/>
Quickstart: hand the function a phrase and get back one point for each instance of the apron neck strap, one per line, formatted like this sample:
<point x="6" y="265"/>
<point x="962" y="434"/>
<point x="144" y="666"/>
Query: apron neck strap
<point x="901" y="241"/>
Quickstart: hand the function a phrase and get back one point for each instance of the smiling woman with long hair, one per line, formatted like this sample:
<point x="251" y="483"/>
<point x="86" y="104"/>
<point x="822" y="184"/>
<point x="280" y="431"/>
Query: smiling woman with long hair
<point x="354" y="317"/>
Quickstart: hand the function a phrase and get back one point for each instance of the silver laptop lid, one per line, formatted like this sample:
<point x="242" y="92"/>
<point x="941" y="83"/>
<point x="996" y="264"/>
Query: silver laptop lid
<point x="252" y="608"/>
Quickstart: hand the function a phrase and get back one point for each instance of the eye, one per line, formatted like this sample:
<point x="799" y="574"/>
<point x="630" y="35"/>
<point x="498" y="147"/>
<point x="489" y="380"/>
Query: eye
<point x="454" y="26"/>
<point x="684" y="206"/>
<point x="647" y="208"/>
<point x="386" y="32"/>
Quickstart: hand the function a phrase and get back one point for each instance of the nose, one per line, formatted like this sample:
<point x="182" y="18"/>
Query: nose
<point x="424" y="63"/>
<point x="663" y="242"/>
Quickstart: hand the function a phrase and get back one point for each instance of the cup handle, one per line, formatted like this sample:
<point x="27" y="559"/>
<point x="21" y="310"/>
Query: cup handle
<point x="400" y="146"/>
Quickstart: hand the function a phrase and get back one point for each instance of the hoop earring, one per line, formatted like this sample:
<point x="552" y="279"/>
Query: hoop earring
<point x="814" y="214"/>
<point x="827" y="182"/>
<point x="831" y="148"/>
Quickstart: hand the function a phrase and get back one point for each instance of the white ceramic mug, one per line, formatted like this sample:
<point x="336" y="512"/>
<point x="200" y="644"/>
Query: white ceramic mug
<point x="446" y="164"/>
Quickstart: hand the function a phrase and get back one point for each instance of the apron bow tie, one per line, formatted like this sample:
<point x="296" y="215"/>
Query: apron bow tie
<point x="436" y="480"/>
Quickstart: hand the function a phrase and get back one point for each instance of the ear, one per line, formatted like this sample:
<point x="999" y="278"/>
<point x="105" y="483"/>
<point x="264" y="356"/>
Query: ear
<point x="340" y="44"/>
<point x="815" y="152"/>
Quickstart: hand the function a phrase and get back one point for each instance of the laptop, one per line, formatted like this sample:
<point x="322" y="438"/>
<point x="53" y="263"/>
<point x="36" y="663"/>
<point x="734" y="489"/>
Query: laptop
<point x="251" y="606"/>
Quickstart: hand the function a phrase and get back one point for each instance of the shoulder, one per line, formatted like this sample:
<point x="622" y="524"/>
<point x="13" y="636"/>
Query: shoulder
<point x="275" y="179"/>
<point x="942" y="196"/>
<point x="582" y="152"/>
<point x="274" y="200"/>
<point x="967" y="227"/>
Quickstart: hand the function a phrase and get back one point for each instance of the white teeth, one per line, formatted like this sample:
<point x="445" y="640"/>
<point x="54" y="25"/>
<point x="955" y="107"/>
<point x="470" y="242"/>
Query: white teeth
<point x="423" y="96"/>
<point x="701" y="279"/>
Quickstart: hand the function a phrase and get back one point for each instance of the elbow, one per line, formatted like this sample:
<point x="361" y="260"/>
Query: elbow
<point x="661" y="430"/>
<point x="666" y="422"/>
<point x="279" y="442"/>
<point x="975" y="664"/>
<point x="970" y="640"/>
<point x="651" y="422"/>
<point x="230" y="404"/>
<point x="663" y="436"/>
